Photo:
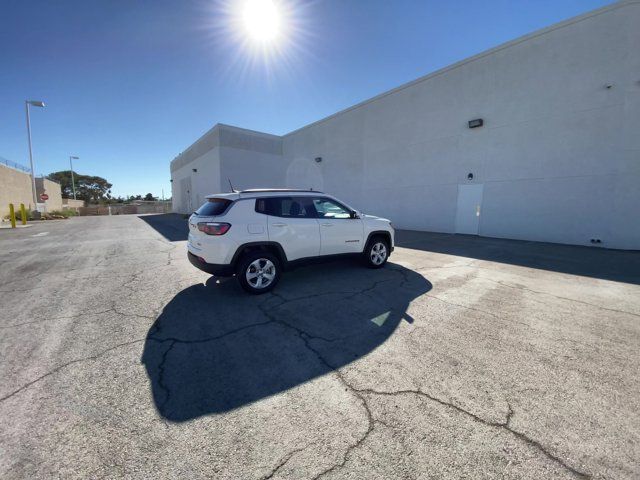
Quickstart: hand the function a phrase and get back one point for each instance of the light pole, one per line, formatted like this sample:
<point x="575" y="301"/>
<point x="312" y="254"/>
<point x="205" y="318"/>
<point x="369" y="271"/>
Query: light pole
<point x="35" y="103"/>
<point x="73" y="183"/>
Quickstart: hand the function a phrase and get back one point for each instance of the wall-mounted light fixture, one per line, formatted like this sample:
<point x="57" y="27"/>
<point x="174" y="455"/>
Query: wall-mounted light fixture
<point x="475" y="123"/>
<point x="470" y="176"/>
<point x="318" y="159"/>
<point x="194" y="170"/>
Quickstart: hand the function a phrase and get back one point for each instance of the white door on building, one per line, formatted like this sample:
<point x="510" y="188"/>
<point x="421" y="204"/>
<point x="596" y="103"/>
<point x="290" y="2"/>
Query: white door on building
<point x="469" y="205"/>
<point x="185" y="190"/>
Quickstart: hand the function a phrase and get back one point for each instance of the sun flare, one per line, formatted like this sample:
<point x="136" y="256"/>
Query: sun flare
<point x="270" y="38"/>
<point x="261" y="20"/>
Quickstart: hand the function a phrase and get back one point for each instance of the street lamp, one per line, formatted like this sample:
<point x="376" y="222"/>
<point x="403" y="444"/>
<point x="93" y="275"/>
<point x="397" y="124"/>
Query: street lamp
<point x="73" y="183"/>
<point x="34" y="103"/>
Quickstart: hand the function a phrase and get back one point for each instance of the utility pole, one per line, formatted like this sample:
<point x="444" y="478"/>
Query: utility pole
<point x="73" y="183"/>
<point x="35" y="103"/>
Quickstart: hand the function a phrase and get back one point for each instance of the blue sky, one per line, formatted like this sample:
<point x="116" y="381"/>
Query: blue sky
<point x="129" y="84"/>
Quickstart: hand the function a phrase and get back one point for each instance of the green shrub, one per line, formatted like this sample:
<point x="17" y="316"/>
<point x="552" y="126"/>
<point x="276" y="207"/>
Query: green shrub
<point x="62" y="213"/>
<point x="19" y="216"/>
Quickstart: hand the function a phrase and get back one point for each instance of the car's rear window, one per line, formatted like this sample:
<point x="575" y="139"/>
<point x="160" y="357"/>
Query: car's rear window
<point x="213" y="207"/>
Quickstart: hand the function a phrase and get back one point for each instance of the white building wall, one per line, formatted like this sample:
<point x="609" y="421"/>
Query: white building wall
<point x="247" y="169"/>
<point x="339" y="144"/>
<point x="558" y="155"/>
<point x="249" y="159"/>
<point x="189" y="188"/>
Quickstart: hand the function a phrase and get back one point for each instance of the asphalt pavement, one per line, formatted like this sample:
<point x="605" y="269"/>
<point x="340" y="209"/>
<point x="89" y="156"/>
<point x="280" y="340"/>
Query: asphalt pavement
<point x="464" y="357"/>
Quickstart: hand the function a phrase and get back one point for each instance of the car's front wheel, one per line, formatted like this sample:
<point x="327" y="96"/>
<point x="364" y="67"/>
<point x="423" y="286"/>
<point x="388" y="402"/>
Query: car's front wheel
<point x="377" y="252"/>
<point x="259" y="272"/>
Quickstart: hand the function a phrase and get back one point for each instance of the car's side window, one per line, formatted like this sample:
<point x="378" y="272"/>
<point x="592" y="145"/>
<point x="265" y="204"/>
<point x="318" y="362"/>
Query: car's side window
<point x="286" y="207"/>
<point x="327" y="208"/>
<point x="261" y="205"/>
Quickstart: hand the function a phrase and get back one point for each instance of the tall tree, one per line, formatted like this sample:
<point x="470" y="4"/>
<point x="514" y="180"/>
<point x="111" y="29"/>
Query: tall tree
<point x="64" y="179"/>
<point x="89" y="188"/>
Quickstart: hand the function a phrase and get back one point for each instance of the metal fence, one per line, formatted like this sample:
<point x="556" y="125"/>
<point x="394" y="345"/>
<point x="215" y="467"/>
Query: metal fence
<point x="14" y="165"/>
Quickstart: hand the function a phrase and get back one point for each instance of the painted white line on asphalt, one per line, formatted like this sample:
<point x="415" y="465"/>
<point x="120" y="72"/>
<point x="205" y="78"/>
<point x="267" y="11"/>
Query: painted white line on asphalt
<point x="41" y="234"/>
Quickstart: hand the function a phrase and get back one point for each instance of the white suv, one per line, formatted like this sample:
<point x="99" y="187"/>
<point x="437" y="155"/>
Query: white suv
<point x="256" y="234"/>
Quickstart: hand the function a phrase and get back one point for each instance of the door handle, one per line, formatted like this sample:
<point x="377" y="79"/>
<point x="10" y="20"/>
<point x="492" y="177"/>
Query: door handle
<point x="327" y="224"/>
<point x="279" y="224"/>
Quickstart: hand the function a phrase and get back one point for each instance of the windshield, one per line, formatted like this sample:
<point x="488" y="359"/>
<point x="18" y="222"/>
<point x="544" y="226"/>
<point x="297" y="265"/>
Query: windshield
<point x="213" y="207"/>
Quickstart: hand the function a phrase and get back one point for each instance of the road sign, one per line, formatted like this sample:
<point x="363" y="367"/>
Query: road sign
<point x="44" y="197"/>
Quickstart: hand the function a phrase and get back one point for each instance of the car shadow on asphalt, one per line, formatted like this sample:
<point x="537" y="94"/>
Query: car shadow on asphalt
<point x="215" y="348"/>
<point x="172" y="226"/>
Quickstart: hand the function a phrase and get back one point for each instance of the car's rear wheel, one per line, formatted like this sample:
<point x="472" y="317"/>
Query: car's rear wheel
<point x="377" y="252"/>
<point x="259" y="272"/>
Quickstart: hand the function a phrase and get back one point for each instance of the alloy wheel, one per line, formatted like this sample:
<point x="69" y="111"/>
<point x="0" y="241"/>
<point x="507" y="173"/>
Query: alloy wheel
<point x="378" y="253"/>
<point x="260" y="273"/>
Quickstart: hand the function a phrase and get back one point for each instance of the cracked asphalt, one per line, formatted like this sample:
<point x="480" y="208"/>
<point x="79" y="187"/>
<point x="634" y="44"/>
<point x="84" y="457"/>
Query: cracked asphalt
<point x="463" y="358"/>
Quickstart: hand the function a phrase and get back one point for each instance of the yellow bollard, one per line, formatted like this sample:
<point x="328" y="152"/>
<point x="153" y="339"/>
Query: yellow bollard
<point x="23" y="214"/>
<point x="12" y="215"/>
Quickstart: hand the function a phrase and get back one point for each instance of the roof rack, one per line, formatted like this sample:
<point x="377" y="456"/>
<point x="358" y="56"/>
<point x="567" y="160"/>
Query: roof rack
<point x="262" y="190"/>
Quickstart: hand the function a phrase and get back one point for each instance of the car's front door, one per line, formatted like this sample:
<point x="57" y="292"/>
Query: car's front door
<point x="293" y="224"/>
<point x="339" y="231"/>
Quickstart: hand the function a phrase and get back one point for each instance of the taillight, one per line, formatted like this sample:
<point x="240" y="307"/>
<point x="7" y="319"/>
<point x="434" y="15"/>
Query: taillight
<point x="214" y="228"/>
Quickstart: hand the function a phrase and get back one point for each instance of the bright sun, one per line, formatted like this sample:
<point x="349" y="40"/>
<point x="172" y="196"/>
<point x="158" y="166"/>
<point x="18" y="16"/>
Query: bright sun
<point x="261" y="20"/>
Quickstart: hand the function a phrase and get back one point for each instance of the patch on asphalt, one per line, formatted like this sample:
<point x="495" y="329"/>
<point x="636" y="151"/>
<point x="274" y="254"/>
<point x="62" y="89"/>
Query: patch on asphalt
<point x="380" y="319"/>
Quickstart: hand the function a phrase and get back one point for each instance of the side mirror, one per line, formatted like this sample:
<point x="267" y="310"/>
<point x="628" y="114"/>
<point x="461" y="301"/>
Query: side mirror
<point x="355" y="214"/>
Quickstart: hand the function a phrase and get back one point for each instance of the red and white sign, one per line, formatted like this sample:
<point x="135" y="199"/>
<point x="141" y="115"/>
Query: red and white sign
<point x="44" y="197"/>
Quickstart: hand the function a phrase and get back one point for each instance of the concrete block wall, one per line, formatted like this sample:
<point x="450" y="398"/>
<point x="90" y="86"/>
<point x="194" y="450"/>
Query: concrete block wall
<point x="72" y="204"/>
<point x="557" y="160"/>
<point x="15" y="187"/>
<point x="53" y="190"/>
<point x="249" y="159"/>
<point x="556" y="156"/>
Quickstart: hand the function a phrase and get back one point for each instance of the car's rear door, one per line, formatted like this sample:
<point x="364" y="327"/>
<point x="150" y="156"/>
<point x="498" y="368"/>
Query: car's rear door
<point x="293" y="224"/>
<point x="339" y="231"/>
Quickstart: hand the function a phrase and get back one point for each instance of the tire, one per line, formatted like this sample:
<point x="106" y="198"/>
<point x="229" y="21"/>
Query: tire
<point x="255" y="269"/>
<point x="377" y="252"/>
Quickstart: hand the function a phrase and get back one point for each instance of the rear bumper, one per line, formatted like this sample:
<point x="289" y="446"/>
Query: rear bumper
<point x="219" y="270"/>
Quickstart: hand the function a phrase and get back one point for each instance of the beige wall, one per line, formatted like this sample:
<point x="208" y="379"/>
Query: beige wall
<point x="15" y="187"/>
<point x="44" y="185"/>
<point x="71" y="203"/>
